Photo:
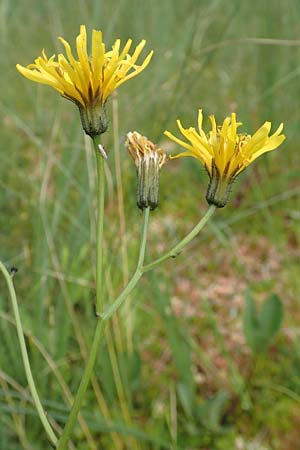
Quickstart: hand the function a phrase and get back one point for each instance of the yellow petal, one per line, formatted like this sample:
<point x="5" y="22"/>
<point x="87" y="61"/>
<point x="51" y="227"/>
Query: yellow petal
<point x="200" y="119"/>
<point x="37" y="76"/>
<point x="81" y="46"/>
<point x="271" y="144"/>
<point x="137" y="52"/>
<point x="213" y="127"/>
<point x="69" y="53"/>
<point x="125" y="49"/>
<point x="178" y="141"/>
<point x="98" y="51"/>
<point x="184" y="154"/>
<point x="196" y="151"/>
<point x="130" y="75"/>
<point x="257" y="140"/>
<point x="233" y="127"/>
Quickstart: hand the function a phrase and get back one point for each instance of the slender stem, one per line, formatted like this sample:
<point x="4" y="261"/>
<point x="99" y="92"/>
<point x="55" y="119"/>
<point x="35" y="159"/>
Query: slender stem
<point x="138" y="272"/>
<point x="146" y="213"/>
<point x="63" y="441"/>
<point x="102" y="320"/>
<point x="186" y="240"/>
<point x="127" y="312"/>
<point x="25" y="358"/>
<point x="100" y="225"/>
<point x="142" y="269"/>
<point x="116" y="304"/>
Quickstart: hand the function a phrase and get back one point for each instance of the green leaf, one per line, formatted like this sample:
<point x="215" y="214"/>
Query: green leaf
<point x="260" y="327"/>
<point x="186" y="395"/>
<point x="211" y="412"/>
<point x="271" y="316"/>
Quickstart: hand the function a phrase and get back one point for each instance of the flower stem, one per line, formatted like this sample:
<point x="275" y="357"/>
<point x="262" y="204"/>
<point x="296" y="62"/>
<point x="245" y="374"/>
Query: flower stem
<point x="25" y="358"/>
<point x="186" y="240"/>
<point x="170" y="254"/>
<point x="64" y="439"/>
<point x="100" y="225"/>
<point x="102" y="320"/>
<point x="138" y="272"/>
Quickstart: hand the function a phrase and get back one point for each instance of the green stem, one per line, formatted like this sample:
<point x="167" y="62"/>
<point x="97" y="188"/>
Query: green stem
<point x="96" y="342"/>
<point x="25" y="358"/>
<point x="67" y="431"/>
<point x="170" y="254"/>
<point x="100" y="225"/>
<point x="186" y="240"/>
<point x="138" y="272"/>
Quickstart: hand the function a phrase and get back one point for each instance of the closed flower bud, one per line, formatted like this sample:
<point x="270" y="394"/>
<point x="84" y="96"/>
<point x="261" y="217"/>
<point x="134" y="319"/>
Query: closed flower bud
<point x="148" y="159"/>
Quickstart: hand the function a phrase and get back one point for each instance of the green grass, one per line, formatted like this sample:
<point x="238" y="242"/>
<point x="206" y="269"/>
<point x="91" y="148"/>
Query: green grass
<point x="174" y="371"/>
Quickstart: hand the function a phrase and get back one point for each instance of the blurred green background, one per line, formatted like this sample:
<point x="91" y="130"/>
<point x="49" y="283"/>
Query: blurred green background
<point x="180" y="367"/>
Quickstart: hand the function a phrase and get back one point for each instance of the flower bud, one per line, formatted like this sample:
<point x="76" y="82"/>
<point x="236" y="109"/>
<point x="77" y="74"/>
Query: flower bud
<point x="148" y="159"/>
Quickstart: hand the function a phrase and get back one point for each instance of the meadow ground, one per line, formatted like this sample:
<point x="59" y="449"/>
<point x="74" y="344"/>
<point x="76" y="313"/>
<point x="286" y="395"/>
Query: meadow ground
<point x="175" y="370"/>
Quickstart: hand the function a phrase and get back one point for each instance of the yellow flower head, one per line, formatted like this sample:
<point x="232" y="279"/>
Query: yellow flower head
<point x="89" y="80"/>
<point x="224" y="152"/>
<point x="148" y="159"/>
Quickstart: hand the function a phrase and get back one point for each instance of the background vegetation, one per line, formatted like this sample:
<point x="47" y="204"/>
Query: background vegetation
<point x="178" y="370"/>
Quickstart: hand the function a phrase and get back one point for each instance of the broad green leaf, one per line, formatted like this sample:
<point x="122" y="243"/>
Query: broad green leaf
<point x="261" y="326"/>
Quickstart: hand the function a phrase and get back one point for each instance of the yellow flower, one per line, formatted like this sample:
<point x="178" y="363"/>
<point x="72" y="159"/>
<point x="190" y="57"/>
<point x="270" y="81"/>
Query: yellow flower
<point x="224" y="152"/>
<point x="89" y="80"/>
<point x="148" y="159"/>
